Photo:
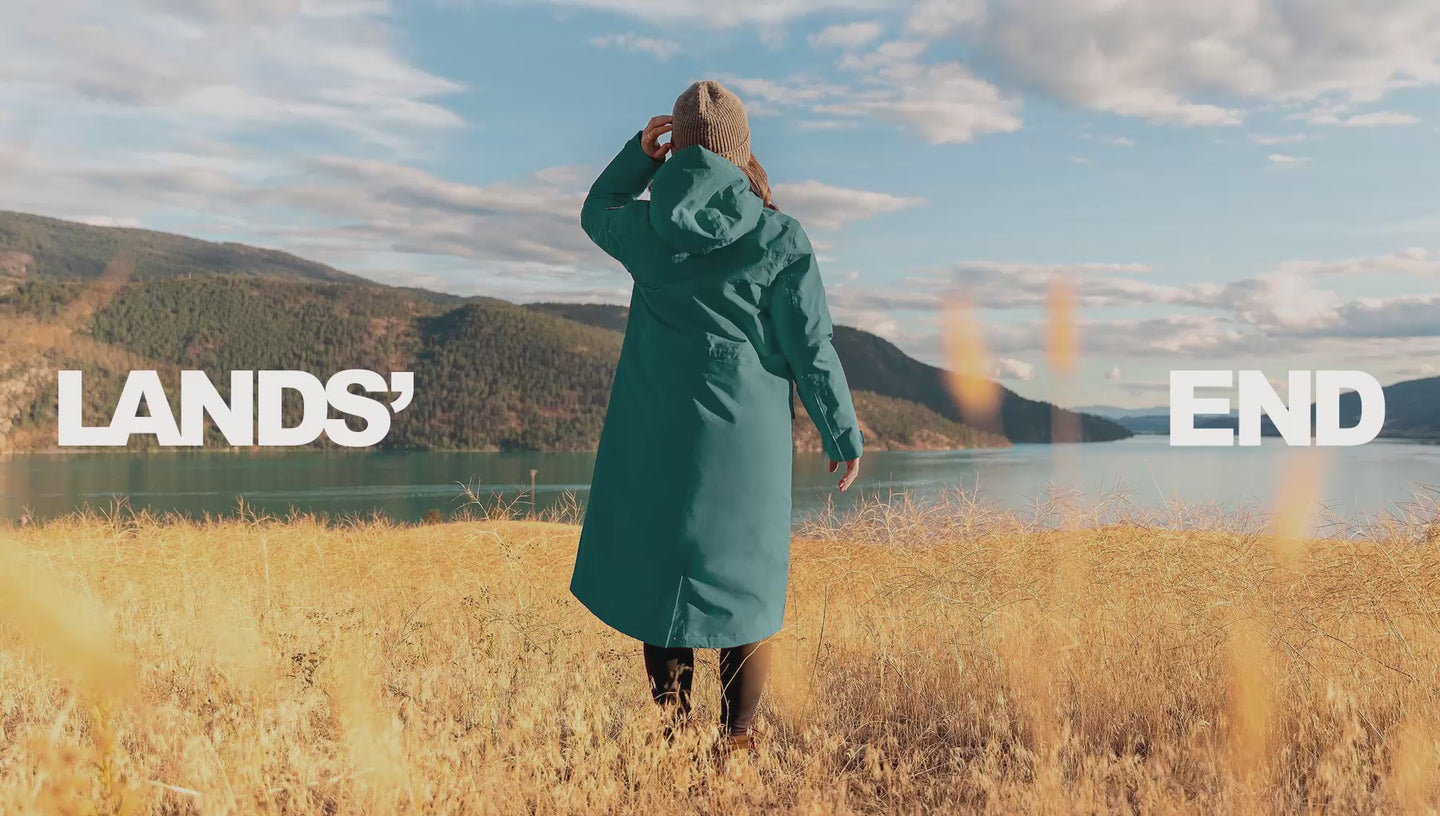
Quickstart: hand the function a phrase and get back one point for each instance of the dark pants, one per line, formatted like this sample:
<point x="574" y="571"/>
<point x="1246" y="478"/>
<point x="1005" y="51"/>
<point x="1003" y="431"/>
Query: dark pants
<point x="743" y="670"/>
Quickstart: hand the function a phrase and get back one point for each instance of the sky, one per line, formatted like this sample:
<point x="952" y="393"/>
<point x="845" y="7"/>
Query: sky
<point x="1233" y="184"/>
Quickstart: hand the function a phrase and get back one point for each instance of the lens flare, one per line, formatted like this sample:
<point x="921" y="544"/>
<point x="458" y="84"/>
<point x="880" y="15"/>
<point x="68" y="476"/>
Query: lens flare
<point x="967" y="366"/>
<point x="1062" y="336"/>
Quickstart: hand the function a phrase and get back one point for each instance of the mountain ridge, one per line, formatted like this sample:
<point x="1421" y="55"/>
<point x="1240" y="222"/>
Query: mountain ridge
<point x="500" y="376"/>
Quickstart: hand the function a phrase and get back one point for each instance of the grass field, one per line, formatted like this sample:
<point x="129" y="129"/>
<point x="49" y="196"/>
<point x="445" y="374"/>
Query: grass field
<point x="933" y="660"/>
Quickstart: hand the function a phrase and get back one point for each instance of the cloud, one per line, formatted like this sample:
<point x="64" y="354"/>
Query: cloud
<point x="943" y="101"/>
<point x="1008" y="368"/>
<point x="1113" y="375"/>
<point x="827" y="124"/>
<point x="1008" y="285"/>
<point x="1174" y="63"/>
<point x="217" y="68"/>
<point x="1281" y="300"/>
<point x="528" y="225"/>
<point x="1401" y="317"/>
<point x="847" y="35"/>
<point x="1120" y="141"/>
<point x="1184" y="64"/>
<point x="937" y="18"/>
<point x="1416" y="261"/>
<point x="1280" y="310"/>
<point x="723" y="14"/>
<point x="795" y="92"/>
<point x="660" y="48"/>
<point x="1287" y="160"/>
<point x="410" y="187"/>
<point x="1379" y="119"/>
<point x="826" y="207"/>
<point x="1270" y="140"/>
<point x="1335" y="115"/>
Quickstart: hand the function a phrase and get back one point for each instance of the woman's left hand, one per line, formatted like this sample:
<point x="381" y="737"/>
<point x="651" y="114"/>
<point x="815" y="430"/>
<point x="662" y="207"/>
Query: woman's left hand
<point x="650" y="138"/>
<point x="852" y="469"/>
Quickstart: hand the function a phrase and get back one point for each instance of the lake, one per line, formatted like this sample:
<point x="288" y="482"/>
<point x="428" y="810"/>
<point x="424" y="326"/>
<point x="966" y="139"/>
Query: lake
<point x="1358" y="483"/>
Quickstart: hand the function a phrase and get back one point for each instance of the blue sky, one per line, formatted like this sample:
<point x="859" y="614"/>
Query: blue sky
<point x="1235" y="184"/>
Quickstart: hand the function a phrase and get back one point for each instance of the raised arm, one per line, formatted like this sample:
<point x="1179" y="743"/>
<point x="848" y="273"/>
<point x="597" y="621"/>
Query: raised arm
<point x="610" y="215"/>
<point x="803" y="330"/>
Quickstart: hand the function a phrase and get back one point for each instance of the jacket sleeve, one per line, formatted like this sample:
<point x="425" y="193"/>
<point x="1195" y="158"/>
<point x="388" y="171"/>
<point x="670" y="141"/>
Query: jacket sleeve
<point x="803" y="329"/>
<point x="611" y="216"/>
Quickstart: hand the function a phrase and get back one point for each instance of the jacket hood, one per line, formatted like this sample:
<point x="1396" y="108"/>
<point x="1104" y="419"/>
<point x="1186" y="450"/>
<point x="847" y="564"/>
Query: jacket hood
<point x="700" y="201"/>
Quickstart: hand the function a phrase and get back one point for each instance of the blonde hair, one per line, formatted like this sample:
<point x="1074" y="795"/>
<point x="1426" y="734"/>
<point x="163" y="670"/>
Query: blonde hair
<point x="759" y="181"/>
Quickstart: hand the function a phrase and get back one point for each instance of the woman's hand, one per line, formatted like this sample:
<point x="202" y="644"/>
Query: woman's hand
<point x="650" y="138"/>
<point x="852" y="469"/>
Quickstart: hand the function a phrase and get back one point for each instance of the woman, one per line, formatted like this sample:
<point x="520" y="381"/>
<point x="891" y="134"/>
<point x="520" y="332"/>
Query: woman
<point x="686" y="541"/>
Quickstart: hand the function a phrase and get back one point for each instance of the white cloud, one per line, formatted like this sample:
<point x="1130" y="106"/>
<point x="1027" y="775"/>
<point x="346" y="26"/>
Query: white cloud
<point x="795" y="92"/>
<point x="1282" y="300"/>
<point x="1284" y="309"/>
<point x="1286" y="160"/>
<point x="943" y="102"/>
<point x="847" y="35"/>
<point x="1400" y="317"/>
<point x="1270" y="140"/>
<point x="1336" y="114"/>
<point x="1009" y="285"/>
<point x="1113" y="375"/>
<point x="936" y="18"/>
<point x="887" y="55"/>
<point x="660" y="48"/>
<point x="827" y="124"/>
<point x="823" y="206"/>
<point x="1416" y="261"/>
<point x="219" y="67"/>
<point x="1379" y="119"/>
<point x="1008" y="368"/>
<point x="725" y="14"/>
<point x="1204" y="63"/>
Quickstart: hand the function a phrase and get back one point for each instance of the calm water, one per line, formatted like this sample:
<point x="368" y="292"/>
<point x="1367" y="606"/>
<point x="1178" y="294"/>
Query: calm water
<point x="1359" y="482"/>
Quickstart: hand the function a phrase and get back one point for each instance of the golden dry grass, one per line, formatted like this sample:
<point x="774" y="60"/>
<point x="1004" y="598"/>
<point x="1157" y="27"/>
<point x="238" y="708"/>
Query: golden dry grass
<point x="934" y="660"/>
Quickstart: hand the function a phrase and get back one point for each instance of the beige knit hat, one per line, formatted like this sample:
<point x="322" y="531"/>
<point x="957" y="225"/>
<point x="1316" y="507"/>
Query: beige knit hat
<point x="709" y="115"/>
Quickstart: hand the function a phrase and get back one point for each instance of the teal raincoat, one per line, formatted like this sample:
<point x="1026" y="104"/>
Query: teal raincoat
<point x="687" y="529"/>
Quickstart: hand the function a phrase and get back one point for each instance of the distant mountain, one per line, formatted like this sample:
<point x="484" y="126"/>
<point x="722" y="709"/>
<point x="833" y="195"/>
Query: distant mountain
<point x="36" y="247"/>
<point x="1412" y="411"/>
<point x="874" y="364"/>
<point x="603" y="315"/>
<point x="1117" y="412"/>
<point x="1146" y="423"/>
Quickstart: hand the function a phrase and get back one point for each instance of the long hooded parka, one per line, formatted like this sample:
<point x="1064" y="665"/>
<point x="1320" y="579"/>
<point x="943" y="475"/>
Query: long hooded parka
<point x="687" y="530"/>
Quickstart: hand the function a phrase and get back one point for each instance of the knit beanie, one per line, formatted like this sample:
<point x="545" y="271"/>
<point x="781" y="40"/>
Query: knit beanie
<point x="709" y="115"/>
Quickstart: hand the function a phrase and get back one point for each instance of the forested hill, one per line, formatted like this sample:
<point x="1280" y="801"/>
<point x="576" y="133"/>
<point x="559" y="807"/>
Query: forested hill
<point x="36" y="247"/>
<point x="490" y="375"/>
<point x="875" y="365"/>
